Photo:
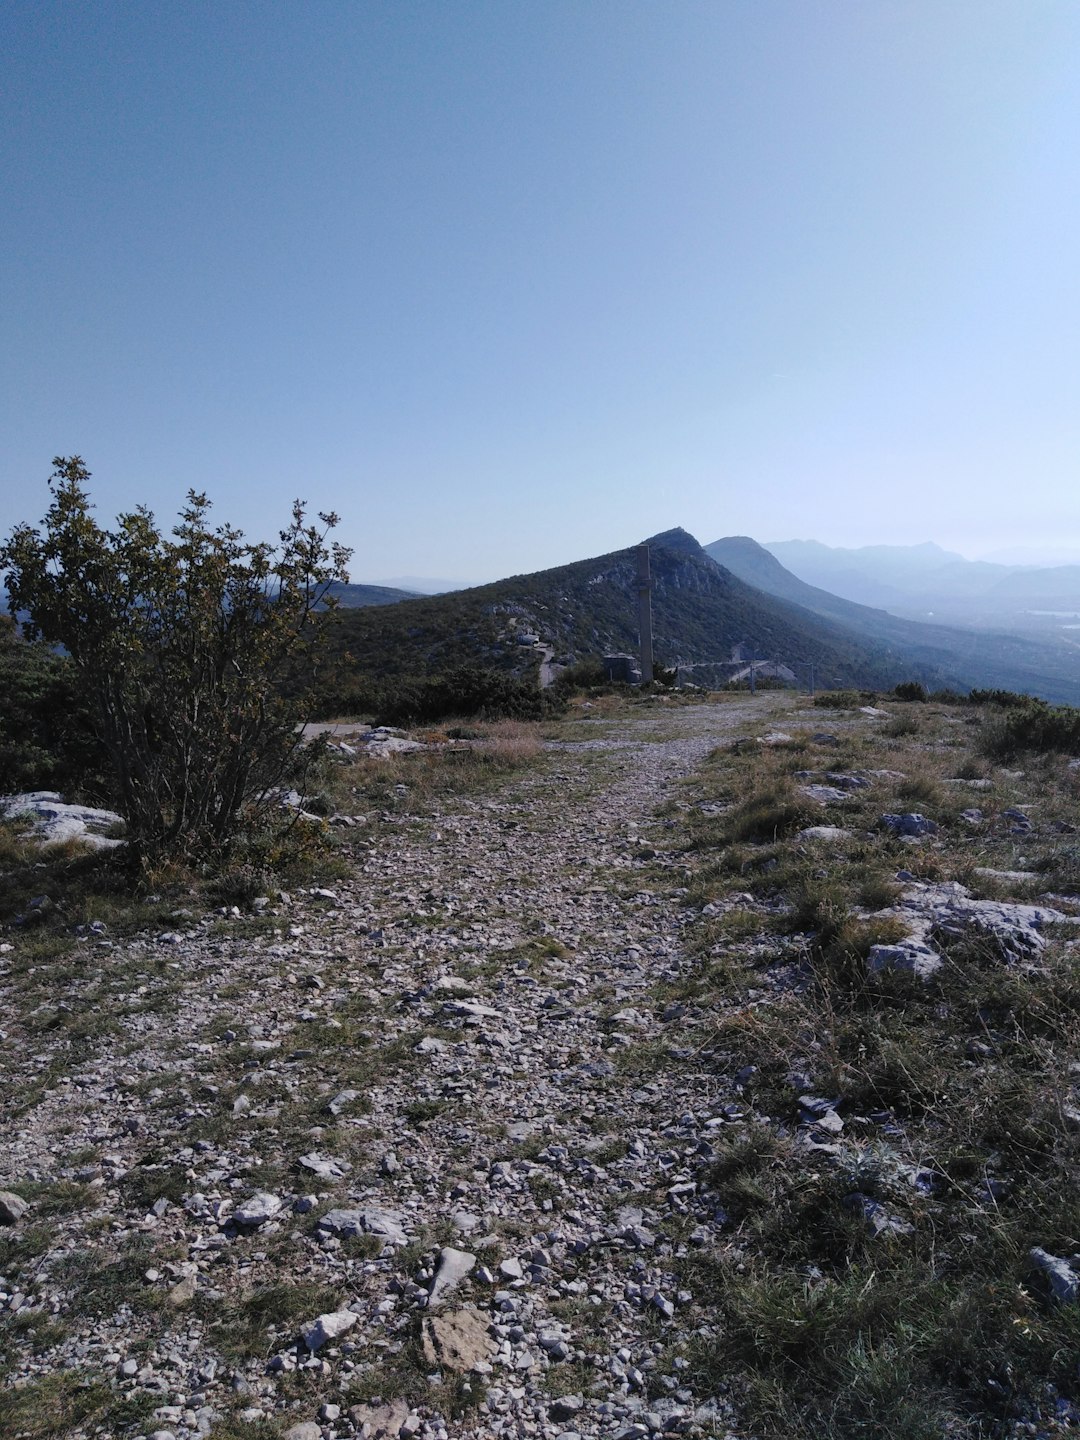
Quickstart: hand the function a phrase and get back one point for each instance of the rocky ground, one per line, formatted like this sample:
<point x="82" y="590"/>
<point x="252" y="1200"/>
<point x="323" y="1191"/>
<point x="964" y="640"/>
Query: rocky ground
<point x="416" y="1153"/>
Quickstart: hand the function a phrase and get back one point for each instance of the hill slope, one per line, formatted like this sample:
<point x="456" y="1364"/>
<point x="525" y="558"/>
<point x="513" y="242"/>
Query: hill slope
<point x="701" y="612"/>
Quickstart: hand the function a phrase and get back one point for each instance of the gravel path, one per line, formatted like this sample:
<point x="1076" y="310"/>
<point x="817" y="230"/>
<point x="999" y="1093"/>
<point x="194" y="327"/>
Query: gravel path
<point x="465" y="1038"/>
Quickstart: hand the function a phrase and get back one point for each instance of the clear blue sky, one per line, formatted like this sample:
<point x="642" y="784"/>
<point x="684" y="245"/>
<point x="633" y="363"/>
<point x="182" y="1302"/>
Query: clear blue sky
<point x="509" y="284"/>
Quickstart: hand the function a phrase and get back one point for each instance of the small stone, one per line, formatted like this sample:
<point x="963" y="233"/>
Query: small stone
<point x="329" y="1327"/>
<point x="306" y="1430"/>
<point x="341" y="1100"/>
<point x="1060" y="1278"/>
<point x="910" y="824"/>
<point x="255" y="1211"/>
<point x="12" y="1208"/>
<point x="831" y="834"/>
<point x="183" y="1292"/>
<point x="566" y="1407"/>
<point x="453" y="1265"/>
<point x="324" y="1166"/>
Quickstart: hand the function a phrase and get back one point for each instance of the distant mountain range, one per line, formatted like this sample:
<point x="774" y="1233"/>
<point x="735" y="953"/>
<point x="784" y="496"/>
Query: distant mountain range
<point x="923" y="581"/>
<point x="1045" y="664"/>
<point x="355" y="596"/>
<point x="717" y="606"/>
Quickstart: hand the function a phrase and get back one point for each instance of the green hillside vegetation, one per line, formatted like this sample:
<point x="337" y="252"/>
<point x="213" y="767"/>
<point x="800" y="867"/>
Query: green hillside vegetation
<point x="700" y="612"/>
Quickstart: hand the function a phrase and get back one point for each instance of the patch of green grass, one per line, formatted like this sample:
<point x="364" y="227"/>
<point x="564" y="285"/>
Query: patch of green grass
<point x="259" y="1323"/>
<point x="101" y="1282"/>
<point x="33" y="1331"/>
<point x="420" y="1112"/>
<point x="55" y="1197"/>
<point x="52" y="1407"/>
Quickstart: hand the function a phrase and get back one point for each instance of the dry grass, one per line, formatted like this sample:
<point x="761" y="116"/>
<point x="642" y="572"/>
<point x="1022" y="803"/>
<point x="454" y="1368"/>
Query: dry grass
<point x="933" y="1327"/>
<point x="510" y="742"/>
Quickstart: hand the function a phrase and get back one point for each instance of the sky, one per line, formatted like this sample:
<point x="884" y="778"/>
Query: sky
<point x="510" y="284"/>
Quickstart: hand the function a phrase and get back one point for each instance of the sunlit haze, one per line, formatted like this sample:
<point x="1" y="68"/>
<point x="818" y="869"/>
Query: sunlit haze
<point x="510" y="285"/>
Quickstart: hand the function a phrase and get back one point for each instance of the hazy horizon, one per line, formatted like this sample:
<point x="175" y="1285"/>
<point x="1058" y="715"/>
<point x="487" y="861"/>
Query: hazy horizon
<point x="508" y="286"/>
<point x="429" y="585"/>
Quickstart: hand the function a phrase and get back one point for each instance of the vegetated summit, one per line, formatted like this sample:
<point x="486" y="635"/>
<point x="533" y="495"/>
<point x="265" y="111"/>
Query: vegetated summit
<point x="702" y="613"/>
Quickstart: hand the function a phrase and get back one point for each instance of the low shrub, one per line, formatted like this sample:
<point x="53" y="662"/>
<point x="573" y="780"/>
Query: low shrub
<point x="838" y="700"/>
<point x="1033" y="726"/>
<point x="776" y="810"/>
<point x="899" y="726"/>
<point x="1006" y="699"/>
<point x="585" y="674"/>
<point x="911" y="690"/>
<point x="466" y="691"/>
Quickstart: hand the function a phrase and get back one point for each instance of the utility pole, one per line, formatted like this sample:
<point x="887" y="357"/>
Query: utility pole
<point x="644" y="583"/>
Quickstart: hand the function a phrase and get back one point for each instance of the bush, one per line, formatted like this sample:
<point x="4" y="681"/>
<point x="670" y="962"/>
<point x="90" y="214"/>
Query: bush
<point x="183" y="650"/>
<point x="467" y="691"/>
<point x="47" y="739"/>
<point x="1006" y="699"/>
<point x="911" y="690"/>
<point x="770" y="813"/>
<point x="839" y="700"/>
<point x="585" y="674"/>
<point x="1033" y="726"/>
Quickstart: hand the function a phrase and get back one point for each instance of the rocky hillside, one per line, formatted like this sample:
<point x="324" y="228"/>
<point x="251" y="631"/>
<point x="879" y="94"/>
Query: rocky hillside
<point x="705" y="1071"/>
<point x="701" y="612"/>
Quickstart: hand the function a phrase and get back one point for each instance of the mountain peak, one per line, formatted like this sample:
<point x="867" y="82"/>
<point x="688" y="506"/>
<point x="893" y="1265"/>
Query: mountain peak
<point x="677" y="539"/>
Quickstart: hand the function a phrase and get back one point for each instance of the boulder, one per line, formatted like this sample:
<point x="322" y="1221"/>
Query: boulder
<point x="367" y="1221"/>
<point x="53" y="821"/>
<point x="380" y="1422"/>
<point x="913" y="955"/>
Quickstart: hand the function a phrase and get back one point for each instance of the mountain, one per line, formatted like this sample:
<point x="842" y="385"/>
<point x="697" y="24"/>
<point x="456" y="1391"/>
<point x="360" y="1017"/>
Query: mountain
<point x="353" y="596"/>
<point x="925" y="582"/>
<point x="980" y="657"/>
<point x="702" y="612"/>
<point x="871" y="574"/>
<point x="427" y="585"/>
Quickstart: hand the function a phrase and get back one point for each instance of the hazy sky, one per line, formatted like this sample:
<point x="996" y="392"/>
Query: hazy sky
<point x="508" y="284"/>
